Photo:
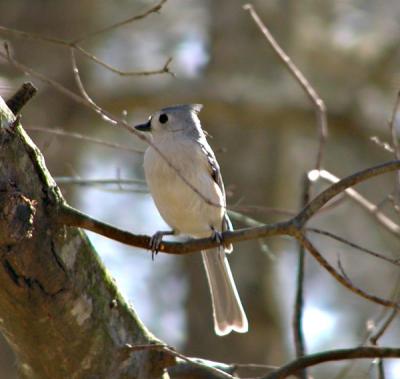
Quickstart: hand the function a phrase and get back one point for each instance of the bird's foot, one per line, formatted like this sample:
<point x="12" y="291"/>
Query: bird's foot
<point x="156" y="241"/>
<point x="217" y="236"/>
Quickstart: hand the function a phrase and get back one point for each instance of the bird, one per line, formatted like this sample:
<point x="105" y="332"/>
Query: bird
<point x="185" y="181"/>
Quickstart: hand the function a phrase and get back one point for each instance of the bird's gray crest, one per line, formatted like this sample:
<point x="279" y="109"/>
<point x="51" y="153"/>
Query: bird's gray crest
<point x="184" y="107"/>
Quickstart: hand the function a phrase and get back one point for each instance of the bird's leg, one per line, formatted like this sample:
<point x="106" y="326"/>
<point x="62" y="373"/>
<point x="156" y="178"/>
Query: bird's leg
<point x="156" y="240"/>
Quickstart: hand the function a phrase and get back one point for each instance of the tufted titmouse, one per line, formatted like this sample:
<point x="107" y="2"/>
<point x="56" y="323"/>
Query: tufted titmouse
<point x="177" y="134"/>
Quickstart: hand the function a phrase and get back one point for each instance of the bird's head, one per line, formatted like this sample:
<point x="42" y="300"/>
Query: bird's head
<point x="177" y="119"/>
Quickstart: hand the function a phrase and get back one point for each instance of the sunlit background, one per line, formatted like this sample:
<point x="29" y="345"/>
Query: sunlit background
<point x="264" y="133"/>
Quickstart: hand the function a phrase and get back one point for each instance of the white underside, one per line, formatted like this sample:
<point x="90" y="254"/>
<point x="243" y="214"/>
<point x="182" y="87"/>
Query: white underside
<point x="187" y="212"/>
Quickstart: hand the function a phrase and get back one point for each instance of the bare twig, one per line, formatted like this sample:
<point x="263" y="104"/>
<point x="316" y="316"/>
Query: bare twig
<point x="384" y="319"/>
<point x="156" y="8"/>
<point x="381" y="369"/>
<point x="244" y="219"/>
<point x="379" y="333"/>
<point x="86" y="181"/>
<point x="106" y="116"/>
<point x="122" y="185"/>
<point x="396" y="146"/>
<point x="255" y="366"/>
<point x="331" y="356"/>
<point x="25" y="69"/>
<point x="293" y="227"/>
<point x="372" y="209"/>
<point x="113" y="120"/>
<point x="75" y="44"/>
<point x="79" y="136"/>
<point x="211" y="369"/>
<point x="163" y="70"/>
<point x="21" y="97"/>
<point x="299" y="340"/>
<point x="384" y="145"/>
<point x="69" y="216"/>
<point x="316" y="100"/>
<point x="354" y="245"/>
<point x="33" y="36"/>
<point x="342" y="278"/>
<point x="262" y="209"/>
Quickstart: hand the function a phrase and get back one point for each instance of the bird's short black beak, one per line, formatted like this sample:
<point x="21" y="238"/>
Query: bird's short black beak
<point x="144" y="127"/>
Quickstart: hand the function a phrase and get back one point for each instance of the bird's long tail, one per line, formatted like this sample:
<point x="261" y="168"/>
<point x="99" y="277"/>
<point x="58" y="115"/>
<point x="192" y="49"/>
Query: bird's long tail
<point x="227" y="309"/>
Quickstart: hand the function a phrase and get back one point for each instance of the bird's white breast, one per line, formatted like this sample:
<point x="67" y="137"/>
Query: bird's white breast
<point x="180" y="206"/>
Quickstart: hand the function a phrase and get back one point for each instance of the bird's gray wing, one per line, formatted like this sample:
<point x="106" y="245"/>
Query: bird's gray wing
<point x="213" y="165"/>
<point x="216" y="175"/>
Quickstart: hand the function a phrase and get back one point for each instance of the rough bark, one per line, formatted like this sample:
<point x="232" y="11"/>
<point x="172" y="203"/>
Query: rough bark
<point x="59" y="308"/>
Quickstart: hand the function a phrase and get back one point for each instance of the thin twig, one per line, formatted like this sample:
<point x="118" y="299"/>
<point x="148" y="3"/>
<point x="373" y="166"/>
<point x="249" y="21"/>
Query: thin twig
<point x="379" y="333"/>
<point x="140" y="185"/>
<point x="163" y="70"/>
<point x="299" y="340"/>
<point x="395" y="144"/>
<point x="106" y="116"/>
<point x="205" y="366"/>
<point x="156" y="8"/>
<point x="244" y="219"/>
<point x="113" y="120"/>
<point x="33" y="36"/>
<point x="262" y="209"/>
<point x="86" y="181"/>
<point x="374" y="341"/>
<point x="255" y="366"/>
<point x="372" y="209"/>
<point x="312" y="94"/>
<point x="331" y="356"/>
<point x="354" y="245"/>
<point x="342" y="278"/>
<point x="384" y="145"/>
<point x="67" y="215"/>
<point x="21" y="97"/>
<point x="79" y="136"/>
<point x="75" y="44"/>
<point x="345" y="184"/>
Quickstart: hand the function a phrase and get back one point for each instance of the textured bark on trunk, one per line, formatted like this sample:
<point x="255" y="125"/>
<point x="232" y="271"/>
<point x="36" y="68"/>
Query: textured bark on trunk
<point x="59" y="308"/>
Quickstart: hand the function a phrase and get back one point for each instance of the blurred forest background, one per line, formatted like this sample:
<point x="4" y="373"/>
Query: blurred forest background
<point x="264" y="133"/>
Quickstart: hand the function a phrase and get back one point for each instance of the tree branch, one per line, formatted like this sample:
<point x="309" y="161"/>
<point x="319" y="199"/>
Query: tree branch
<point x="342" y="279"/>
<point x="370" y="207"/>
<point x="395" y="262"/>
<point x="21" y="97"/>
<point x="154" y="9"/>
<point x="319" y="201"/>
<point x="75" y="44"/>
<point x="72" y="217"/>
<point x="82" y="137"/>
<point x="332" y="356"/>
<point x="312" y="94"/>
<point x="297" y="321"/>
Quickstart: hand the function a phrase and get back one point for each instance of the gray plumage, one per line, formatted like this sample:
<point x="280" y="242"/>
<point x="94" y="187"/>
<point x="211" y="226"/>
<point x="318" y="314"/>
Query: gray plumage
<point x="176" y="132"/>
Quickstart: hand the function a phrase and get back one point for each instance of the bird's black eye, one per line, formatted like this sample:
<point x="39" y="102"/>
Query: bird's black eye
<point x="163" y="118"/>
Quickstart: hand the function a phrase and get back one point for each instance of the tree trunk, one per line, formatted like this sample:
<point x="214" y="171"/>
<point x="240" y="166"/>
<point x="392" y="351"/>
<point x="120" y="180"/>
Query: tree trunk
<point x="59" y="308"/>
